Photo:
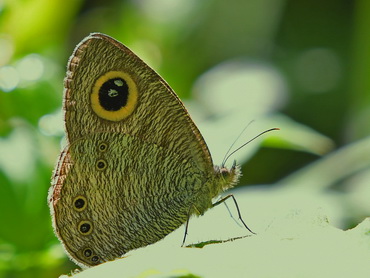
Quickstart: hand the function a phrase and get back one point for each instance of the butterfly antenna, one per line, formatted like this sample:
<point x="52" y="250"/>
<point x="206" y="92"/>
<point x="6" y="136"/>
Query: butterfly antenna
<point x="227" y="156"/>
<point x="232" y="145"/>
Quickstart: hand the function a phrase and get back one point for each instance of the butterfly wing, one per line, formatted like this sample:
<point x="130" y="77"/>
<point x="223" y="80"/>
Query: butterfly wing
<point x="159" y="116"/>
<point x="101" y="211"/>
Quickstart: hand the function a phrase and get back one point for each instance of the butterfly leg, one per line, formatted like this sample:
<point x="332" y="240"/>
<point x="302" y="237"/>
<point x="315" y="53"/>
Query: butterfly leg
<point x="237" y="208"/>
<point x="186" y="226"/>
<point x="192" y="208"/>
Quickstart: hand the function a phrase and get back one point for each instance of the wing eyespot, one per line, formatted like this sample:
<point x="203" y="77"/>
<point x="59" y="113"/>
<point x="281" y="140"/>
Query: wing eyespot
<point x="114" y="96"/>
<point x="101" y="165"/>
<point x="102" y="147"/>
<point x="79" y="203"/>
<point x="85" y="227"/>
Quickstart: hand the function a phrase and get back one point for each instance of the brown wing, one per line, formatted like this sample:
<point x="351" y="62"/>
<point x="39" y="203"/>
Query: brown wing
<point x="159" y="116"/>
<point x="133" y="201"/>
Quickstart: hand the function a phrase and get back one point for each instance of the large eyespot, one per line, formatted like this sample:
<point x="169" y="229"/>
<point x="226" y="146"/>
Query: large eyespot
<point x="101" y="164"/>
<point x="79" y="203"/>
<point x="102" y="147"/>
<point x="85" y="227"/>
<point x="114" y="96"/>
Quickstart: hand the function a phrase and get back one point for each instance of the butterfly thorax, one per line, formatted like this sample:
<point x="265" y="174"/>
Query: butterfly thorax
<point x="221" y="180"/>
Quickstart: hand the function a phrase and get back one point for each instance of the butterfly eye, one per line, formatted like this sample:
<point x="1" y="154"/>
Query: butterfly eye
<point x="101" y="164"/>
<point x="103" y="147"/>
<point x="79" y="203"/>
<point x="85" y="227"/>
<point x="224" y="172"/>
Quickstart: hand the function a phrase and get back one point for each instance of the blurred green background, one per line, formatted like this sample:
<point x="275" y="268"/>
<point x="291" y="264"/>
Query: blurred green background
<point x="303" y="66"/>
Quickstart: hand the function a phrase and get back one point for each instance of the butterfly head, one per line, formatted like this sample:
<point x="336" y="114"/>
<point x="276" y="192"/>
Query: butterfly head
<point x="228" y="177"/>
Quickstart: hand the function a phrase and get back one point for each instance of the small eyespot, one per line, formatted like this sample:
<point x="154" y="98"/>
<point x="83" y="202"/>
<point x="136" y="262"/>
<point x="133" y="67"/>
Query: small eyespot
<point x="85" y="227"/>
<point x="79" y="203"/>
<point x="87" y="252"/>
<point x="101" y="164"/>
<point x="95" y="259"/>
<point x="103" y="147"/>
